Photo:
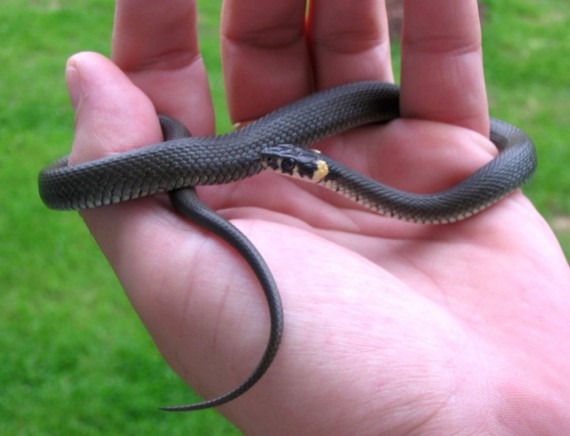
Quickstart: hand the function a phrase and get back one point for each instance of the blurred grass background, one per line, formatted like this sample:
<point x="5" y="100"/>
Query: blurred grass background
<point x="76" y="359"/>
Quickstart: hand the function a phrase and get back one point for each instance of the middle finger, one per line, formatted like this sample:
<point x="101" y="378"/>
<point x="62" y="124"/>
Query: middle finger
<point x="349" y="41"/>
<point x="265" y="54"/>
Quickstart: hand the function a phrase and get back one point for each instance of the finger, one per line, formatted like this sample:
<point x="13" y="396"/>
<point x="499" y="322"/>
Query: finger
<point x="266" y="61"/>
<point x="107" y="101"/>
<point x="442" y="67"/>
<point x="349" y="42"/>
<point x="112" y="116"/>
<point x="156" y="44"/>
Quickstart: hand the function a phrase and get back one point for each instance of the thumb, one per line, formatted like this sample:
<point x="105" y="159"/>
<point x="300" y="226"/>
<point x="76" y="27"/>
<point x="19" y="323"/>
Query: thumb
<point x="114" y="116"/>
<point x="159" y="259"/>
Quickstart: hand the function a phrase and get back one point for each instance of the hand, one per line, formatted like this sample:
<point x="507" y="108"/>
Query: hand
<point x="390" y="327"/>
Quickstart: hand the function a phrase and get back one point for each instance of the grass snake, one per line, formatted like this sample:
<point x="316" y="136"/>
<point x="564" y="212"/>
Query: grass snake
<point x="184" y="162"/>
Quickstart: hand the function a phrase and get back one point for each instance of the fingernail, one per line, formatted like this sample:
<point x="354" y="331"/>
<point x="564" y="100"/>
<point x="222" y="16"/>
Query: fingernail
<point x="73" y="83"/>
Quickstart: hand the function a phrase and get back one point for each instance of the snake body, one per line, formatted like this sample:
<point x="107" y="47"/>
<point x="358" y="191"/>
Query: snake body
<point x="178" y="163"/>
<point x="184" y="162"/>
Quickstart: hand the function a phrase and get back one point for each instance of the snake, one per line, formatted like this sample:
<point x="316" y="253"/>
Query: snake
<point x="280" y="141"/>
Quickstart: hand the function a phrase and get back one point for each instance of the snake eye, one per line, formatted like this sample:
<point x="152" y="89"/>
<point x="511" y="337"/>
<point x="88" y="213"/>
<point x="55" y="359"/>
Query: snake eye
<point x="288" y="165"/>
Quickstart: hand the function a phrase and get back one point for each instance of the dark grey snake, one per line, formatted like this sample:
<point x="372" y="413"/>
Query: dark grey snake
<point x="183" y="162"/>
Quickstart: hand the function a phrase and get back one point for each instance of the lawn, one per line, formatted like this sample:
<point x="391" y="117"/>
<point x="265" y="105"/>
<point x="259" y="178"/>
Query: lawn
<point x="76" y="358"/>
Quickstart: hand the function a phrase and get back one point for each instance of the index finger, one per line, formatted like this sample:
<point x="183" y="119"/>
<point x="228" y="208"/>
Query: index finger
<point x="156" y="44"/>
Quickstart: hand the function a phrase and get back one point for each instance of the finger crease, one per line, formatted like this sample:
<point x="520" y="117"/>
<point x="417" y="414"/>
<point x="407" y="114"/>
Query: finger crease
<point x="275" y="38"/>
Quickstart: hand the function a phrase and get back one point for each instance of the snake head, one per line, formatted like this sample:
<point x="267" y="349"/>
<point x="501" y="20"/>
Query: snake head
<point x="295" y="161"/>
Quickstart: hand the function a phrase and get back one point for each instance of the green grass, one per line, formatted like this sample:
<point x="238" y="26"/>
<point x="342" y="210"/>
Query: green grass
<point x="76" y="359"/>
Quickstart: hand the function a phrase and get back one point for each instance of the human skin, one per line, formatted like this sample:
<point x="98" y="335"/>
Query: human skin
<point x="390" y="327"/>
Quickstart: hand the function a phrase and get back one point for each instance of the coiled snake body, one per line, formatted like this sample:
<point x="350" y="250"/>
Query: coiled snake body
<point x="183" y="162"/>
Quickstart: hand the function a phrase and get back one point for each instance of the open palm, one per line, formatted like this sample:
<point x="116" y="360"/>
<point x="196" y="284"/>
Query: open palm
<point x="389" y="327"/>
